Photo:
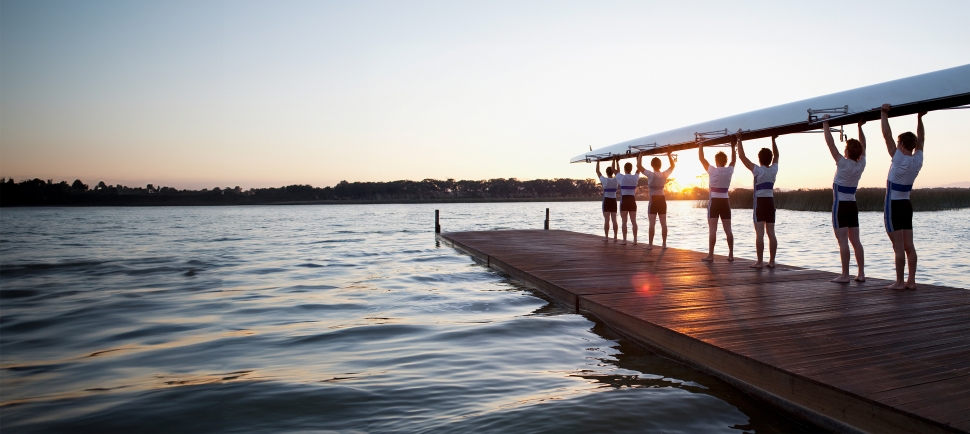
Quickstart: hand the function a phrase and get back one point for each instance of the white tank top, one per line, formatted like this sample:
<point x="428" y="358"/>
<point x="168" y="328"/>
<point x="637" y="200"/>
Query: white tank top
<point x="902" y="174"/>
<point x="764" y="180"/>
<point x="847" y="174"/>
<point x="719" y="180"/>
<point x="657" y="181"/>
<point x="628" y="184"/>
<point x="609" y="187"/>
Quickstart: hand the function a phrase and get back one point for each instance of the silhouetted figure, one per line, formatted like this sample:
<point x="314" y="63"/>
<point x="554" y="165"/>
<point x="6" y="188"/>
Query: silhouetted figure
<point x="658" y="202"/>
<point x="845" y="214"/>
<point x="907" y="154"/>
<point x="718" y="206"/>
<point x="764" y="198"/>
<point x="609" y="198"/>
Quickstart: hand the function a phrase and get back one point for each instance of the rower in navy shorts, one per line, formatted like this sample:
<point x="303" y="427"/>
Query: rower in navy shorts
<point x="764" y="200"/>
<point x="845" y="214"/>
<point x="907" y="154"/>
<point x="719" y="181"/>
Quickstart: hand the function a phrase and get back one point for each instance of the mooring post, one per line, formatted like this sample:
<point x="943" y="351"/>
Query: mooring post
<point x="547" y="219"/>
<point x="437" y="227"/>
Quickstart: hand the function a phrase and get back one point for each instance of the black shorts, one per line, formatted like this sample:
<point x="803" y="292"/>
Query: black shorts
<point x="609" y="204"/>
<point x="628" y="202"/>
<point x="899" y="215"/>
<point x="764" y="209"/>
<point x="657" y="205"/>
<point x="845" y="214"/>
<point x="719" y="207"/>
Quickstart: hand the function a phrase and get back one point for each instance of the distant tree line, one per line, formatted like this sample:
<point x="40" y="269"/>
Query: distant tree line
<point x="37" y="192"/>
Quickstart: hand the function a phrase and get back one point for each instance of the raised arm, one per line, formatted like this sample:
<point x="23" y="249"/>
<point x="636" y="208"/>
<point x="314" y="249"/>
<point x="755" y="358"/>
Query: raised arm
<point x="616" y="165"/>
<point x="673" y="163"/>
<point x="862" y="137"/>
<point x="700" y="152"/>
<point x="887" y="133"/>
<point x="640" y="163"/>
<point x="744" y="158"/>
<point x="598" y="174"/>
<point x="919" y="131"/>
<point x="774" y="150"/>
<point x="734" y="154"/>
<point x="829" y="140"/>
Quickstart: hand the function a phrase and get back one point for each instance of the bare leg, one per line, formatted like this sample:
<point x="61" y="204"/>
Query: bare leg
<point x="859" y="254"/>
<point x="899" y="249"/>
<point x="663" y="228"/>
<point x="606" y="226"/>
<point x="633" y="222"/>
<point x="615" y="226"/>
<point x="910" y="257"/>
<point x="730" y="238"/>
<point x="623" y="216"/>
<point x="759" y="244"/>
<point x="650" y="232"/>
<point x="772" y="243"/>
<point x="711" y="238"/>
<point x="842" y="235"/>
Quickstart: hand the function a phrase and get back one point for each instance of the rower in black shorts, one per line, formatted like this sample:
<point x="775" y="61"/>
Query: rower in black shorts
<point x="658" y="202"/>
<point x="907" y="155"/>
<point x="764" y="200"/>
<point x="719" y="181"/>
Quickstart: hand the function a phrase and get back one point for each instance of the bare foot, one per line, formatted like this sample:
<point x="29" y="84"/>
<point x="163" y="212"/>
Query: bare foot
<point x="649" y="247"/>
<point x="606" y="240"/>
<point x="634" y="242"/>
<point x="708" y="259"/>
<point x="860" y="278"/>
<point x="910" y="285"/>
<point x="897" y="285"/>
<point x="841" y="279"/>
<point x="757" y="265"/>
<point x="731" y="257"/>
<point x="623" y="243"/>
<point x="771" y="264"/>
<point x="665" y="247"/>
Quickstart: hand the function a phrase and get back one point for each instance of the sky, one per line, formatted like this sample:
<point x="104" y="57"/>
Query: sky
<point x="198" y="94"/>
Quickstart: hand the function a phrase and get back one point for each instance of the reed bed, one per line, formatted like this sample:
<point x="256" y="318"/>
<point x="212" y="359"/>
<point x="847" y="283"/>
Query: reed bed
<point x="868" y="199"/>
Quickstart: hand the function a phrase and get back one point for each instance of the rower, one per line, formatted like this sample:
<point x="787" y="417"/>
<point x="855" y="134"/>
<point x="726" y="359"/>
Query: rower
<point x="658" y="202"/>
<point x="845" y="214"/>
<point x="907" y="155"/>
<point x="764" y="200"/>
<point x="719" y="181"/>
<point x="609" y="198"/>
<point x="628" y="189"/>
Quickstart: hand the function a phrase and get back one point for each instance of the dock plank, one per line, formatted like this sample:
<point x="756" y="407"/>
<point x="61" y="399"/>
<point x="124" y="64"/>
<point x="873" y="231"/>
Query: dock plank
<point x="851" y="356"/>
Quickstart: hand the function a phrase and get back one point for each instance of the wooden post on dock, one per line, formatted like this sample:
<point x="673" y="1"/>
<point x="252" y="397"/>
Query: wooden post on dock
<point x="437" y="227"/>
<point x="547" y="219"/>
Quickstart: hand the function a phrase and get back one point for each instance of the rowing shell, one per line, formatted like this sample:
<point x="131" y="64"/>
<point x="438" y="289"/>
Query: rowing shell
<point x="938" y="90"/>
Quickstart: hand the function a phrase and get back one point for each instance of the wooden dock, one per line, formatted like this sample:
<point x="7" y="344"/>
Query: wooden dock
<point x="849" y="357"/>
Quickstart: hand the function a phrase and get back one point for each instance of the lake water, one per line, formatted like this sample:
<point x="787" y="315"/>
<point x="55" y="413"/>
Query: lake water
<point x="351" y="318"/>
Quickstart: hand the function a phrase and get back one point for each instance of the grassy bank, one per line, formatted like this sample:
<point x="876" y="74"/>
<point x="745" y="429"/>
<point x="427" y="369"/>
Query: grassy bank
<point x="868" y="199"/>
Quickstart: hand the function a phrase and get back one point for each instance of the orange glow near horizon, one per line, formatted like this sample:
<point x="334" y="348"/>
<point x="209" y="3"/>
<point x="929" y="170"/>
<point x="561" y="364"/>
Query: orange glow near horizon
<point x="696" y="181"/>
